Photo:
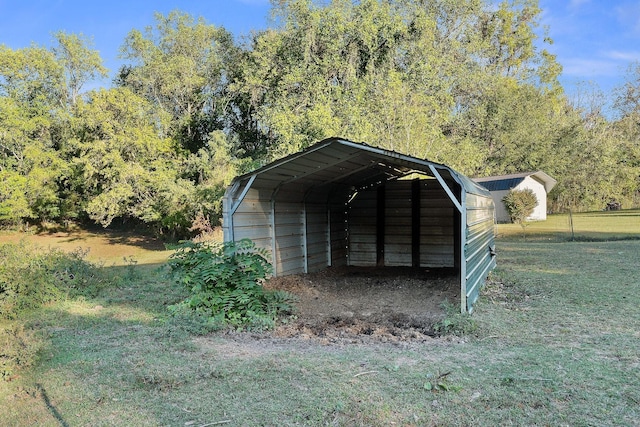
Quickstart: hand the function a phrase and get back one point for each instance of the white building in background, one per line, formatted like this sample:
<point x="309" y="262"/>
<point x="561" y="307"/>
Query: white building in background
<point x="539" y="182"/>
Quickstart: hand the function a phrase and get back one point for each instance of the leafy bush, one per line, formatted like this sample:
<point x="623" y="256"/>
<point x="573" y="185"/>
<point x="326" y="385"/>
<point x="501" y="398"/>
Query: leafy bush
<point x="520" y="204"/>
<point x="24" y="280"/>
<point x="19" y="349"/>
<point x="225" y="284"/>
<point x="31" y="277"/>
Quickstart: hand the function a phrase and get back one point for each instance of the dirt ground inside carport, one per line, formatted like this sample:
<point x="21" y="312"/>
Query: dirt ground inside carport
<point x="367" y="304"/>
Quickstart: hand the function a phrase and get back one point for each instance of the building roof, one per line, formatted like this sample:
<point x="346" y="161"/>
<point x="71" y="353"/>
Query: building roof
<point x="336" y="161"/>
<point x="507" y="182"/>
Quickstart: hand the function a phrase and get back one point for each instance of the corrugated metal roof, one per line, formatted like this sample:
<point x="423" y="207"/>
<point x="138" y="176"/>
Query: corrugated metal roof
<point x="507" y="182"/>
<point x="338" y="161"/>
<point x="502" y="184"/>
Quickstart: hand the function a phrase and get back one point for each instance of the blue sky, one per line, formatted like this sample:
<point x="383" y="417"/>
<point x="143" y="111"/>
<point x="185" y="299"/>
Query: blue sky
<point x="594" y="40"/>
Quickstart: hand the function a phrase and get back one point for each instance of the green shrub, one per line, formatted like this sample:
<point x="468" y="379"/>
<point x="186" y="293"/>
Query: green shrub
<point x="520" y="204"/>
<point x="225" y="284"/>
<point x="31" y="277"/>
<point x="19" y="348"/>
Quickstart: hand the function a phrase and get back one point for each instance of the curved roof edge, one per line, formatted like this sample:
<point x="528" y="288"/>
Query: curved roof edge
<point x="392" y="157"/>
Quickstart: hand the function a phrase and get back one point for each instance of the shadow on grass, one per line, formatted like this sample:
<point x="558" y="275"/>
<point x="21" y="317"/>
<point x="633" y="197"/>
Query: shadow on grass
<point x="107" y="363"/>
<point x="132" y="239"/>
<point x="52" y="409"/>
<point x="129" y="236"/>
<point x="612" y="214"/>
<point x="564" y="237"/>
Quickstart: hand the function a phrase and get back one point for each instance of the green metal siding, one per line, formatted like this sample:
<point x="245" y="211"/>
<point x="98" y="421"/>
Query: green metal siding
<point x="479" y="245"/>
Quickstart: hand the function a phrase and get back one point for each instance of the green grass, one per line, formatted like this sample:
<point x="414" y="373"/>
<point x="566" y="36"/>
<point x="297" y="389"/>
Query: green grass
<point x="589" y="226"/>
<point x="558" y="329"/>
<point x="102" y="246"/>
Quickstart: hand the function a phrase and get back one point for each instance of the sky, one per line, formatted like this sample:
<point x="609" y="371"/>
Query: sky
<point x="594" y="40"/>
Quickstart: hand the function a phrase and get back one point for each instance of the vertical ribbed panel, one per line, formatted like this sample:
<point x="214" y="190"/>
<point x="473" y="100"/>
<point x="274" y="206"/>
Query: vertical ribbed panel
<point x="479" y="244"/>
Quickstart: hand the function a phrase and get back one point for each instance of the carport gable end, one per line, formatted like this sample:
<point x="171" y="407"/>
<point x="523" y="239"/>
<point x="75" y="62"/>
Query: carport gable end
<point x="342" y="203"/>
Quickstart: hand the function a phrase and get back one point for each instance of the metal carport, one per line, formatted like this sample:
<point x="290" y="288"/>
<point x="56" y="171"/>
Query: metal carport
<point x="340" y="203"/>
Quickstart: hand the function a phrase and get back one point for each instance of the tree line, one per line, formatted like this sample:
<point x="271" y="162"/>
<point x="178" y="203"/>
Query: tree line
<point x="465" y="83"/>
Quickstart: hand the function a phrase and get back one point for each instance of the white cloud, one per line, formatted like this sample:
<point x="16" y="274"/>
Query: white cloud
<point x="575" y="4"/>
<point x="580" y="67"/>
<point x="628" y="16"/>
<point x="630" y="56"/>
<point x="254" y="2"/>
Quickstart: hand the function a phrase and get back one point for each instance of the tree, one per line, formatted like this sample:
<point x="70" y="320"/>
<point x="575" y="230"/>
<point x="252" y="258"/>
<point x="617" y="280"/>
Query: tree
<point x="627" y="133"/>
<point x="594" y="158"/>
<point x="80" y="63"/>
<point x="29" y="79"/>
<point x="127" y="167"/>
<point x="179" y="66"/>
<point x="14" y="206"/>
<point x="335" y="67"/>
<point x="211" y="169"/>
<point x="411" y="76"/>
<point x="29" y="83"/>
<point x="37" y="88"/>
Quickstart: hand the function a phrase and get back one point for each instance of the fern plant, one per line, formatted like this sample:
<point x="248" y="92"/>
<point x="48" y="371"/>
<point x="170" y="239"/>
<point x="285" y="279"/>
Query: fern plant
<point x="225" y="280"/>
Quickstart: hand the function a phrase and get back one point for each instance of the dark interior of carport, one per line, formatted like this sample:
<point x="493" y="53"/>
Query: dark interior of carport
<point x="340" y="203"/>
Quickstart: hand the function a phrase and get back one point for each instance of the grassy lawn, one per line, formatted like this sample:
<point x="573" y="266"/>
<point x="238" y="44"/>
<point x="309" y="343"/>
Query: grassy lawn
<point x="101" y="246"/>
<point x="587" y="226"/>
<point x="557" y="343"/>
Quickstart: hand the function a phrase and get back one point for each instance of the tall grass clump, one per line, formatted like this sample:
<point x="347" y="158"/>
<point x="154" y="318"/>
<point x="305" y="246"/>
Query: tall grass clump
<point x="455" y="322"/>
<point x="19" y="348"/>
<point x="224" y="281"/>
<point x="31" y="277"/>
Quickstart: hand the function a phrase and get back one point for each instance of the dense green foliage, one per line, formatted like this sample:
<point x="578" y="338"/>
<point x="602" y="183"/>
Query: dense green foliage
<point x="224" y="281"/>
<point x="31" y="277"/>
<point x="520" y="204"/>
<point x="19" y="347"/>
<point x="465" y="83"/>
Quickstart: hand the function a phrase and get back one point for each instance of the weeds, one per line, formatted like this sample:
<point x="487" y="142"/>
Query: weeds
<point x="19" y="348"/>
<point x="31" y="277"/>
<point x="454" y="322"/>
<point x="440" y="383"/>
<point x="499" y="290"/>
<point x="185" y="319"/>
<point x="130" y="264"/>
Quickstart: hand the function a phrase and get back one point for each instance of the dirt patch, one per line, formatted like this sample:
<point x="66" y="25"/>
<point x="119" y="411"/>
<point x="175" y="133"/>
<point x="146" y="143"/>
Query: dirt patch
<point x="367" y="304"/>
